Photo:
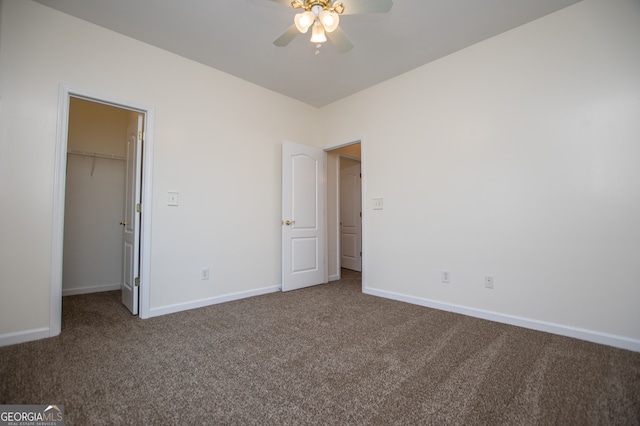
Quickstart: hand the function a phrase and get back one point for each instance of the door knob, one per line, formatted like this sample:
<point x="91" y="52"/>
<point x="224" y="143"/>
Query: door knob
<point x="123" y="223"/>
<point x="289" y="222"/>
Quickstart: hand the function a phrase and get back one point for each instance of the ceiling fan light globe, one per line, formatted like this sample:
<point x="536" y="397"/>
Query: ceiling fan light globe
<point x="330" y="20"/>
<point x="303" y="21"/>
<point x="317" y="33"/>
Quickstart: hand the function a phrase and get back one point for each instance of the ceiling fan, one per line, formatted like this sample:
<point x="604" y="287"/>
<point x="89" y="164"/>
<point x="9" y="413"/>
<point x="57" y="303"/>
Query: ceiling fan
<point x="323" y="17"/>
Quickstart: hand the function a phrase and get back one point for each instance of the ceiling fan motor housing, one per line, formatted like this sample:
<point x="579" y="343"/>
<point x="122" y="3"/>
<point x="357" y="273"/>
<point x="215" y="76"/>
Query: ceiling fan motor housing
<point x="309" y="5"/>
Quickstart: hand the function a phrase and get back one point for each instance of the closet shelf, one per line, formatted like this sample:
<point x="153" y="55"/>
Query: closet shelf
<point x="97" y="155"/>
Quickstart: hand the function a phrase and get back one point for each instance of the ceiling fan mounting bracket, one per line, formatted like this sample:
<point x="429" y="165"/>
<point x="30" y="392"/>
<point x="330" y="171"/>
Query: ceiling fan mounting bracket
<point x="308" y="5"/>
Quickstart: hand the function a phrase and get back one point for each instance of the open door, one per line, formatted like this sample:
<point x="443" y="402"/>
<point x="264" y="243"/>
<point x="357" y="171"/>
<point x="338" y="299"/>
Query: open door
<point x="350" y="215"/>
<point x="303" y="222"/>
<point x="131" y="222"/>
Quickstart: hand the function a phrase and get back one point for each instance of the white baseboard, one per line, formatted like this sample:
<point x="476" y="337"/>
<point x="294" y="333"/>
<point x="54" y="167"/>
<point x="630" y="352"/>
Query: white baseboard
<point x="90" y="289"/>
<point x="334" y="278"/>
<point x="24" y="336"/>
<point x="559" y="329"/>
<point x="178" y="307"/>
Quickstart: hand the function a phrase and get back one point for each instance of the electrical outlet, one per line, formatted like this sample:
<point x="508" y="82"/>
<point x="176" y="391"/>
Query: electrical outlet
<point x="204" y="274"/>
<point x="488" y="281"/>
<point x="446" y="277"/>
<point x="172" y="198"/>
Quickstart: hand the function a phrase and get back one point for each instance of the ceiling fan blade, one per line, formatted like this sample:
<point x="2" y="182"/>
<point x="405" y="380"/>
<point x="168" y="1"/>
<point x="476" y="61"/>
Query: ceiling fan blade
<point x="354" y="7"/>
<point x="340" y="40"/>
<point x="287" y="36"/>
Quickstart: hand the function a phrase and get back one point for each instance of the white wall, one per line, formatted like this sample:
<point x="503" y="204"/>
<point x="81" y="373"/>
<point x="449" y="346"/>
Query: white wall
<point x="517" y="158"/>
<point x="92" y="234"/>
<point x="95" y="127"/>
<point x="217" y="142"/>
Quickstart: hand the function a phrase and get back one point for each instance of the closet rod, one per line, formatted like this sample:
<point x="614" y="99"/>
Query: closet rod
<point x="97" y="155"/>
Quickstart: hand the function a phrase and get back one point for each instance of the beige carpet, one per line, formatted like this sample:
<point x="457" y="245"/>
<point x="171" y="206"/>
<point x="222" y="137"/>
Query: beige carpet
<point x="324" y="355"/>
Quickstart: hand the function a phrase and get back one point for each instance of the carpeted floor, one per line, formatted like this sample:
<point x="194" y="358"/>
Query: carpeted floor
<point x="323" y="355"/>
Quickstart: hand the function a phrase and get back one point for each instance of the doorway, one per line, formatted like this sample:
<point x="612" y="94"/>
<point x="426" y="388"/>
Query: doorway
<point x="94" y="197"/>
<point x="69" y="96"/>
<point x="340" y="159"/>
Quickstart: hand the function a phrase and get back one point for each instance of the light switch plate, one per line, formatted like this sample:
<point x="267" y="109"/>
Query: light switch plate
<point x="172" y="198"/>
<point x="377" y="203"/>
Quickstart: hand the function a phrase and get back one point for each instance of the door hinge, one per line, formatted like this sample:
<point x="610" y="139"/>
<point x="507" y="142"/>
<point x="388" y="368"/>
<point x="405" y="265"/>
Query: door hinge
<point x="140" y="136"/>
<point x="360" y="214"/>
<point x="138" y="208"/>
<point x="137" y="282"/>
<point x="360" y="253"/>
<point x="360" y="175"/>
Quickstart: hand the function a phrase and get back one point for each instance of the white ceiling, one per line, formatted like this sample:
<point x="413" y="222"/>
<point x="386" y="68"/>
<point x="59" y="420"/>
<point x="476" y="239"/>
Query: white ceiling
<point x="235" y="36"/>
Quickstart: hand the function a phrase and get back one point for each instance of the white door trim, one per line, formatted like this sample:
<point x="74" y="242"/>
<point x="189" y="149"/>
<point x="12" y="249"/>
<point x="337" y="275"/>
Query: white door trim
<point x="59" y="183"/>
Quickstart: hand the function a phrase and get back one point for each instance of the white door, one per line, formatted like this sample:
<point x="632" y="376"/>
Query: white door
<point x="131" y="222"/>
<point x="303" y="221"/>
<point x="350" y="215"/>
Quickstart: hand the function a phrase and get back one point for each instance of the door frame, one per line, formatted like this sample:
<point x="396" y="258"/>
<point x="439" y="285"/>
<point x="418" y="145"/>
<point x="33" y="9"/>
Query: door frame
<point x="59" y="188"/>
<point x="361" y="141"/>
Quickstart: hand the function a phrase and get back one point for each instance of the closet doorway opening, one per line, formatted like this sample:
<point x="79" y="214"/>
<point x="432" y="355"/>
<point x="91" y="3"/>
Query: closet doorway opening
<point x="102" y="206"/>
<point x="95" y="192"/>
